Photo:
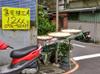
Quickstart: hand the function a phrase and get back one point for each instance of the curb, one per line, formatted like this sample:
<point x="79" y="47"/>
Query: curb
<point x="74" y="69"/>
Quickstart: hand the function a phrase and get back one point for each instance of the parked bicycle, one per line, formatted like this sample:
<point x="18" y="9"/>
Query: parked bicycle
<point x="84" y="37"/>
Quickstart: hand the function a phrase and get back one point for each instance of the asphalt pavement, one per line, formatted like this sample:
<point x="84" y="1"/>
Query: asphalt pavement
<point x="89" y="66"/>
<point x="88" y="57"/>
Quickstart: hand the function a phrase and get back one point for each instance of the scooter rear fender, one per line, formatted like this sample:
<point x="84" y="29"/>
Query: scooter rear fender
<point x="33" y="55"/>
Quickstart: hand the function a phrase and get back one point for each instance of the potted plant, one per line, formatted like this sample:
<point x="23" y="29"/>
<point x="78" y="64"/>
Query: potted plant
<point x="64" y="54"/>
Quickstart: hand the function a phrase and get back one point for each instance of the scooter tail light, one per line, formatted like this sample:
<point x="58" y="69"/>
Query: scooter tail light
<point x="3" y="45"/>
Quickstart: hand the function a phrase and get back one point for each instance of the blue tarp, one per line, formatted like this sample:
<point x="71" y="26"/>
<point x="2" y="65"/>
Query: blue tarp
<point x="21" y="4"/>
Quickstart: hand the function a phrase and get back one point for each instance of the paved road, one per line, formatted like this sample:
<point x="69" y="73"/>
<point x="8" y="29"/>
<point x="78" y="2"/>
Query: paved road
<point x="88" y="57"/>
<point x="89" y="66"/>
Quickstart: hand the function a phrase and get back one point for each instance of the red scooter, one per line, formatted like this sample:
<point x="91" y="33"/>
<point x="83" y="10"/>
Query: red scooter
<point x="21" y="59"/>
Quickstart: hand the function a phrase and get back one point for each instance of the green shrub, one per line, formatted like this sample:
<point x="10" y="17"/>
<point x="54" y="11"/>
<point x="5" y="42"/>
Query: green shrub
<point x="64" y="49"/>
<point x="44" y="24"/>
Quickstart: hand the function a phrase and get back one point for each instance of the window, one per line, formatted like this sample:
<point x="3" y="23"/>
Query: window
<point x="73" y="16"/>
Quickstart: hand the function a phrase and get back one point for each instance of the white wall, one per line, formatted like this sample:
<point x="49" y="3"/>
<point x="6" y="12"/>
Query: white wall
<point x="94" y="28"/>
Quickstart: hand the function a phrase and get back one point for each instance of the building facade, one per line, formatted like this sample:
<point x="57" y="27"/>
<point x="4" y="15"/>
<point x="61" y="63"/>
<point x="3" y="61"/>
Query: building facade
<point x="80" y="14"/>
<point x="85" y="15"/>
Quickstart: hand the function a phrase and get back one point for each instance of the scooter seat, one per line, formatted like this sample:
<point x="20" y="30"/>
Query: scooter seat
<point x="22" y="52"/>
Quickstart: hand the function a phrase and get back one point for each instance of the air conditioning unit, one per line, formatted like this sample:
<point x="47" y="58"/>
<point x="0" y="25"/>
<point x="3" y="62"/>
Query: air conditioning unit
<point x="61" y="5"/>
<point x="67" y="1"/>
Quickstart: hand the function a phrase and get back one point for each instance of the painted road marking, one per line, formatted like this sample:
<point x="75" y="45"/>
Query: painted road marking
<point x="78" y="45"/>
<point x="86" y="57"/>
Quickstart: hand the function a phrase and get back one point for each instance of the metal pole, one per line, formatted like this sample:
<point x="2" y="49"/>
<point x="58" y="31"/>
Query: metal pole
<point x="57" y="15"/>
<point x="57" y="27"/>
<point x="37" y="16"/>
<point x="95" y="27"/>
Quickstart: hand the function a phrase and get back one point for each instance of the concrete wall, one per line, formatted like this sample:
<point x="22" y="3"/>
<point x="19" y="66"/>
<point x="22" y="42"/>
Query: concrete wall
<point x="94" y="28"/>
<point x="17" y="39"/>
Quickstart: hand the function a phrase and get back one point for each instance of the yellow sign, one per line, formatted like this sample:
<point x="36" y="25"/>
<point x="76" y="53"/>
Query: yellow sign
<point x="15" y="18"/>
